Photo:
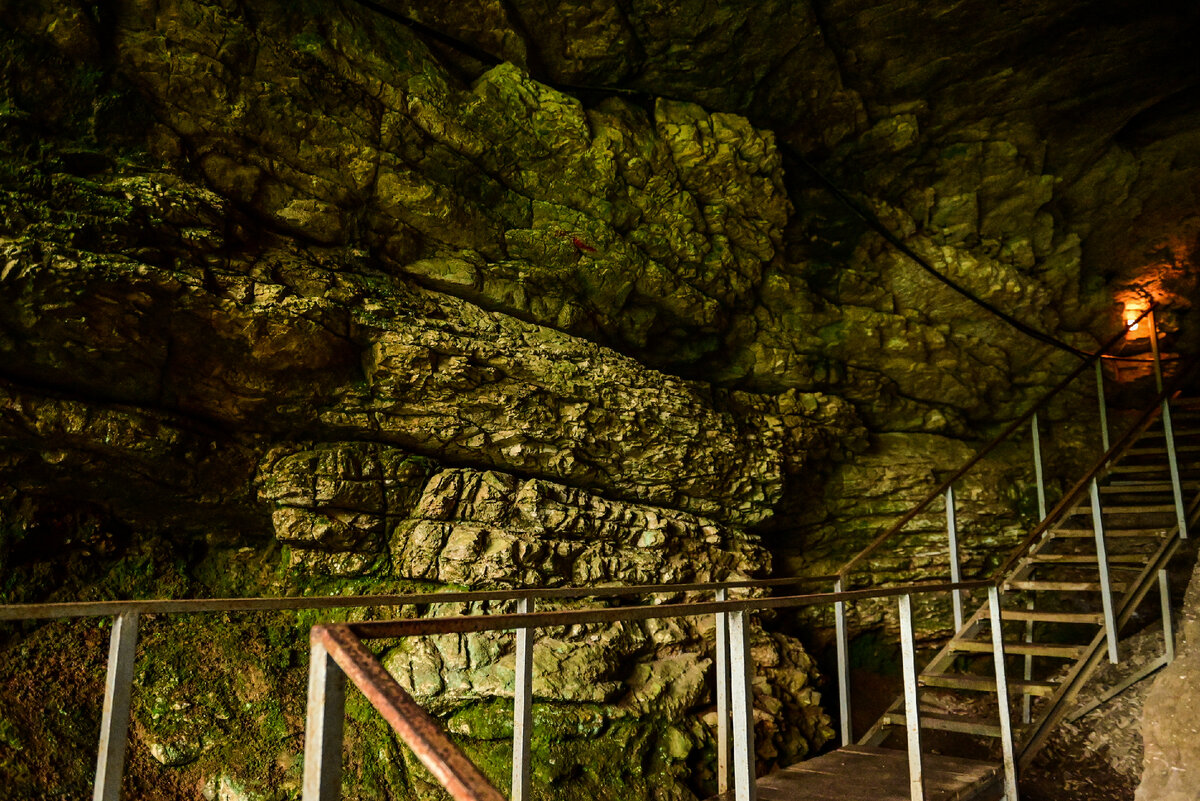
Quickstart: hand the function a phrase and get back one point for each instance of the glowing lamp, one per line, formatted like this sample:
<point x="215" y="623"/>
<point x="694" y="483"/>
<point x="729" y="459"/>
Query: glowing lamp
<point x="1134" y="319"/>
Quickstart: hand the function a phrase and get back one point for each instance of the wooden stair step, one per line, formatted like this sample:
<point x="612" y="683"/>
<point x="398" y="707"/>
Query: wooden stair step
<point x="1177" y="430"/>
<point x="1051" y="617"/>
<point x="1157" y="449"/>
<point x="1147" y="533"/>
<point x="1113" y="509"/>
<point x="1088" y="558"/>
<point x="944" y="722"/>
<point x="1137" y="469"/>
<point x="1134" y="487"/>
<point x="1056" y="650"/>
<point x="1061" y="586"/>
<point x="963" y="681"/>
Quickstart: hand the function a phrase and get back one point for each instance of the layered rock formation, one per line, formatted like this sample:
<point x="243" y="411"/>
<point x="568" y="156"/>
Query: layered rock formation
<point x="361" y="297"/>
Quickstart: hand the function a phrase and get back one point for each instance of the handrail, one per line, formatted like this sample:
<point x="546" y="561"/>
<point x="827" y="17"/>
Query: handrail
<point x="1073" y="495"/>
<point x="940" y="490"/>
<point x="518" y="620"/>
<point x="416" y="727"/>
<point x="48" y="611"/>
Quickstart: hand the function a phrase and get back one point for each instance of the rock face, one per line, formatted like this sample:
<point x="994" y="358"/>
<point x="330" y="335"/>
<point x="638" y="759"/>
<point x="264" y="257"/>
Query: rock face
<point x="346" y="297"/>
<point x="1170" y="729"/>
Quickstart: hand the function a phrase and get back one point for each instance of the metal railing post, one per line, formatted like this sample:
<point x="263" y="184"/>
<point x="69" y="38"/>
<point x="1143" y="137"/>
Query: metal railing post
<point x="955" y="568"/>
<point x="323" y="727"/>
<point x="114" y="722"/>
<point x="912" y="711"/>
<point x="1037" y="468"/>
<point x="522" y="707"/>
<point x="1026" y="698"/>
<point x="724" y="740"/>
<point x="1158" y="377"/>
<point x="1103" y="405"/>
<point x="740" y="665"/>
<point x="843" y="666"/>
<point x="1164" y="594"/>
<point x="1006" y="732"/>
<point x="1173" y="465"/>
<point x="1110" y="621"/>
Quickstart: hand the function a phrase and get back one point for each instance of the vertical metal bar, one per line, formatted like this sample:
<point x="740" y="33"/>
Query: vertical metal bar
<point x="1006" y="732"/>
<point x="740" y="665"/>
<point x="522" y="707"/>
<point x="1027" y="699"/>
<point x="724" y="740"/>
<point x="1110" y="623"/>
<point x="1103" y="404"/>
<point x="912" y="711"/>
<point x="1037" y="468"/>
<point x="114" y="722"/>
<point x="955" y="567"/>
<point x="1158" y="378"/>
<point x="843" y="666"/>
<point x="323" y="727"/>
<point x="1173" y="464"/>
<point x="1164" y="595"/>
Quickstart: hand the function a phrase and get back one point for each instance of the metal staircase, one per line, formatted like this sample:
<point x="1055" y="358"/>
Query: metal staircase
<point x="1066" y="595"/>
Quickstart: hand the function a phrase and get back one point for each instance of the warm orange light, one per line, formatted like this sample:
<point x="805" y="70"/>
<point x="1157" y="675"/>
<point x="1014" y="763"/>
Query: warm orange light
<point x="1134" y="318"/>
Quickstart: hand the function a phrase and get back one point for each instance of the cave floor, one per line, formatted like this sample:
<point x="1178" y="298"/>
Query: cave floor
<point x="855" y="773"/>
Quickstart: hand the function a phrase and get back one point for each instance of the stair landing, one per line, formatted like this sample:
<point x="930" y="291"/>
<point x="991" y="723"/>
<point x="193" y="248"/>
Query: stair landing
<point x="865" y="773"/>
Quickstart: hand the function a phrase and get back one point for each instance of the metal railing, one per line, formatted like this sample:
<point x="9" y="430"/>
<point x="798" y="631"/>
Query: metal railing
<point x="339" y="653"/>
<point x="125" y="616"/>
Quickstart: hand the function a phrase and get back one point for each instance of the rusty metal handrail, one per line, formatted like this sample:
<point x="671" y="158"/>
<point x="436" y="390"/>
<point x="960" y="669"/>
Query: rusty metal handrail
<point x="416" y="727"/>
<point x="844" y="571"/>
<point x="50" y="611"/>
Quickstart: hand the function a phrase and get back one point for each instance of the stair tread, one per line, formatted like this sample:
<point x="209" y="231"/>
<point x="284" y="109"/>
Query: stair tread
<point x="1088" y="558"/>
<point x="1160" y="449"/>
<point x="1035" y="648"/>
<point x="1134" y="487"/>
<point x="1051" y="617"/>
<point x="963" y="681"/>
<point x="1063" y="586"/>
<point x="1121" y="509"/>
<point x="1156" y="533"/>
<point x="944" y="722"/>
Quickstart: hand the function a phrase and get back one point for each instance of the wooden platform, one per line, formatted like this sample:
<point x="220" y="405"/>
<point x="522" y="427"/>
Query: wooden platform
<point x="863" y="773"/>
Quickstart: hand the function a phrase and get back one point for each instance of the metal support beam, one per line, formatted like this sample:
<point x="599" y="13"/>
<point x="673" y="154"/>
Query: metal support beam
<point x="740" y="666"/>
<point x="1006" y="732"/>
<point x="843" y="666"/>
<point x="1164" y="596"/>
<point x="1173" y="464"/>
<point x="724" y="711"/>
<point x="1037" y="467"/>
<point x="114" y="722"/>
<point x="912" y="711"/>
<point x="323" y="727"/>
<point x="522" y="707"/>
<point x="1110" y="620"/>
<point x="1103" y="405"/>
<point x="955" y="566"/>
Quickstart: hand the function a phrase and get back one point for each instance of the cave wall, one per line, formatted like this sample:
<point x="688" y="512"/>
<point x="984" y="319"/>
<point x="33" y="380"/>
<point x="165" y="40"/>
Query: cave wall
<point x="329" y="297"/>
